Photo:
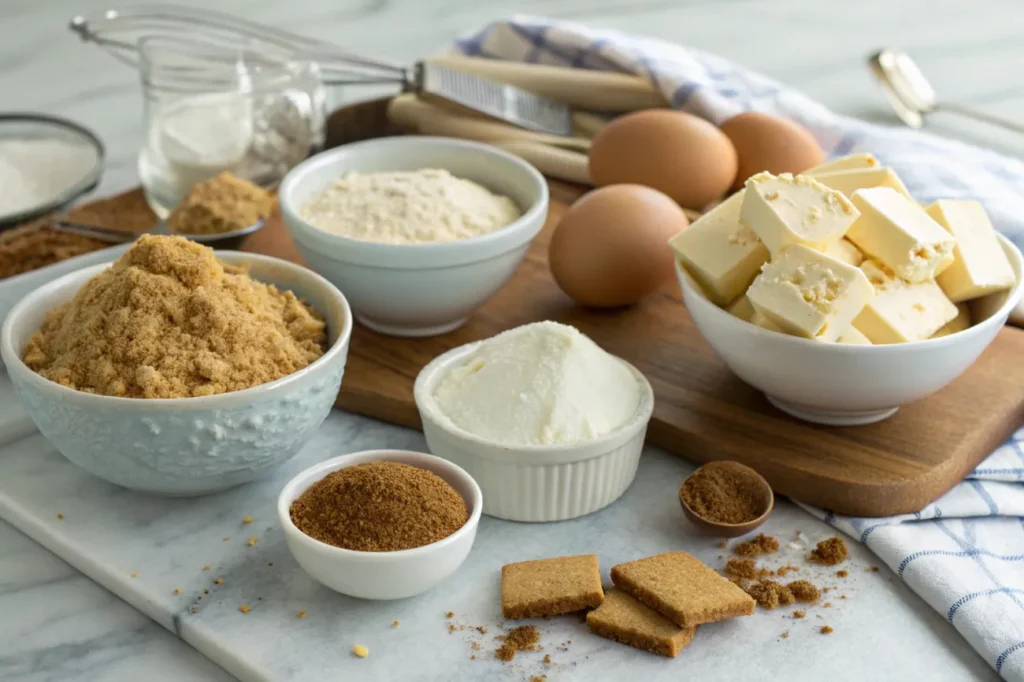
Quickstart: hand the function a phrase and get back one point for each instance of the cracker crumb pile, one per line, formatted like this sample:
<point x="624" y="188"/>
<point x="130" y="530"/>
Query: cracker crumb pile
<point x="168" y="320"/>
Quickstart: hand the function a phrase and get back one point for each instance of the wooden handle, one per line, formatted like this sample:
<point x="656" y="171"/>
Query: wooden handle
<point x="411" y="111"/>
<point x="583" y="88"/>
<point x="553" y="162"/>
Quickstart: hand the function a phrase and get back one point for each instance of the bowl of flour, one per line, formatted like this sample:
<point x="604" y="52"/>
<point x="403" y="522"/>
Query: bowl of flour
<point x="46" y="162"/>
<point x="418" y="232"/>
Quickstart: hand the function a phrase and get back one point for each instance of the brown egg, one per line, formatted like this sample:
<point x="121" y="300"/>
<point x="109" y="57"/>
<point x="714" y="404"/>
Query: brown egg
<point x="768" y="143"/>
<point x="676" y="153"/>
<point x="611" y="247"/>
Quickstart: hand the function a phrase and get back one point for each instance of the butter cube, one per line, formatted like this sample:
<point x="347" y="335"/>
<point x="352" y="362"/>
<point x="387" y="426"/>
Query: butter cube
<point x="980" y="265"/>
<point x="853" y="337"/>
<point x="843" y="163"/>
<point x="849" y="181"/>
<point x="902" y="311"/>
<point x="845" y="251"/>
<point x="763" y="322"/>
<point x="897" y="232"/>
<point x="720" y="253"/>
<point x="741" y="308"/>
<point x="785" y="210"/>
<point x="806" y="293"/>
<point x="959" y="323"/>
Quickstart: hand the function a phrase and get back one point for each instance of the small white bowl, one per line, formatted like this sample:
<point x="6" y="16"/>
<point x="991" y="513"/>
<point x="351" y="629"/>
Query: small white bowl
<point x="417" y="289"/>
<point x="381" y="575"/>
<point x="839" y="384"/>
<point x="183" y="446"/>
<point x="539" y="482"/>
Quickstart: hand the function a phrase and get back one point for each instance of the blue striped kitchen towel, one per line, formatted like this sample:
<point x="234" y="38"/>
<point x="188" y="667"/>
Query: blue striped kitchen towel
<point x="963" y="554"/>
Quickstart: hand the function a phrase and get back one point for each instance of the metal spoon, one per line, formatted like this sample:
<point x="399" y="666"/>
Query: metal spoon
<point x="913" y="97"/>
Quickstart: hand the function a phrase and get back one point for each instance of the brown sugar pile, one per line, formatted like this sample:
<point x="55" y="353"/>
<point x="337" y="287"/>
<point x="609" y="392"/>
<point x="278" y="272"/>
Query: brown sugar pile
<point x="34" y="245"/>
<point x="829" y="552"/>
<point x="804" y="591"/>
<point x="769" y="594"/>
<point x="762" y="544"/>
<point x="224" y="203"/>
<point x="723" y="492"/>
<point x="379" y="507"/>
<point x="738" y="570"/>
<point x="522" y="638"/>
<point x="168" y="320"/>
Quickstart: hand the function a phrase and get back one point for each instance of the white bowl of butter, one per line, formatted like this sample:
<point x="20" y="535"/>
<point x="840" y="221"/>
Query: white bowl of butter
<point x="549" y="424"/>
<point x="417" y="231"/>
<point x="843" y="309"/>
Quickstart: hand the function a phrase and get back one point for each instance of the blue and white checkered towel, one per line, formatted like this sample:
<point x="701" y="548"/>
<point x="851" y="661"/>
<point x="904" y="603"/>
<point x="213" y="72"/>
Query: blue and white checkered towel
<point x="964" y="554"/>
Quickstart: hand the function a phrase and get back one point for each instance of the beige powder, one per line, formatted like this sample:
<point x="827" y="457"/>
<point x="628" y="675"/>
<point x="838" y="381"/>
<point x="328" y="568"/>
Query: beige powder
<point x="168" y="320"/>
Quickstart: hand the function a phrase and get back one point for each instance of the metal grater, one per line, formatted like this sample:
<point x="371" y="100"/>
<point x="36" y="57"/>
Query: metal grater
<point x="498" y="100"/>
<point x="118" y="31"/>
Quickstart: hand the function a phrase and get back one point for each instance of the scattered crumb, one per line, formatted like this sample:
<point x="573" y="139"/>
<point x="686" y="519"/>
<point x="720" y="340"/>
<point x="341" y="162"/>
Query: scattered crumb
<point x="873" y="569"/>
<point x="785" y="635"/>
<point x="199" y="599"/>
<point x="769" y="594"/>
<point x="804" y="591"/>
<point x="394" y="623"/>
<point x="206" y="592"/>
<point x="827" y="605"/>
<point x="738" y="570"/>
<point x="473" y="657"/>
<point x="723" y="544"/>
<point x="193" y="609"/>
<point x="475" y="646"/>
<point x="829" y="552"/>
<point x="59" y="515"/>
<point x="547" y="659"/>
<point x="842" y="574"/>
<point x="176" y="591"/>
<point x="226" y="538"/>
<point x="784" y="570"/>
<point x="247" y="520"/>
<point x="259" y="598"/>
<point x="799" y="614"/>
<point x="252" y="541"/>
<point x="270" y="564"/>
<point x="762" y="544"/>
<point x="522" y="638"/>
<point x="538" y="678"/>
<point x="481" y="629"/>
<point x="300" y="614"/>
<point x="842" y="596"/>
<point x="135" y="574"/>
<point x="206" y="567"/>
<point x="826" y="630"/>
<point x="218" y="581"/>
<point x="450" y="614"/>
<point x="360" y="651"/>
<point x="826" y="590"/>
<point x="244" y="608"/>
<point x="451" y="629"/>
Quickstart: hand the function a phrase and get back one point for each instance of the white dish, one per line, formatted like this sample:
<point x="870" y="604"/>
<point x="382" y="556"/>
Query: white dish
<point x="839" y="384"/>
<point x="183" y="446"/>
<point x="382" y="575"/>
<point x="417" y="289"/>
<point x="542" y="482"/>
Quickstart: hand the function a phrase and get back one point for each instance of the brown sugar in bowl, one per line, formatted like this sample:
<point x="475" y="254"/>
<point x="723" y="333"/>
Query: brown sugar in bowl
<point x="731" y="487"/>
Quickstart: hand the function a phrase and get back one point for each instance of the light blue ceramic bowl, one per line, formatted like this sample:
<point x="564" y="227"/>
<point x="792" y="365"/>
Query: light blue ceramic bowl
<point x="184" y="446"/>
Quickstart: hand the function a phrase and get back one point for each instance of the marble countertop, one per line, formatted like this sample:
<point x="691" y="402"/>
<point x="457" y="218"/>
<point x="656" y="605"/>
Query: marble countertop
<point x="55" y="624"/>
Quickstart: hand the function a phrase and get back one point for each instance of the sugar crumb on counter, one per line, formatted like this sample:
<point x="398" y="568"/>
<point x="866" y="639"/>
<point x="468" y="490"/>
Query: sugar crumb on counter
<point x="218" y="581"/>
<point x="247" y="520"/>
<point x="227" y="538"/>
<point x="206" y="567"/>
<point x="842" y="574"/>
<point x="135" y="574"/>
<point x="244" y="608"/>
<point x="176" y="591"/>
<point x="360" y="651"/>
<point x="59" y="515"/>
<point x="826" y="630"/>
<point x="394" y="623"/>
<point x="252" y="541"/>
<point x="301" y="614"/>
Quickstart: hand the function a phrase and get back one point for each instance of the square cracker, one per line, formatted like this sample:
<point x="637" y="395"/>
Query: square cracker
<point x="624" y="619"/>
<point x="682" y="589"/>
<point x="548" y="587"/>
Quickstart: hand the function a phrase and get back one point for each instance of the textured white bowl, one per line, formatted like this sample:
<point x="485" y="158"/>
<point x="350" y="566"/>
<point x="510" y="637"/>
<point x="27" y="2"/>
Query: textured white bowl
<point x="417" y="289"/>
<point x="183" y="446"/>
<point x="381" y="575"/>
<point x="541" y="482"/>
<point x="839" y="384"/>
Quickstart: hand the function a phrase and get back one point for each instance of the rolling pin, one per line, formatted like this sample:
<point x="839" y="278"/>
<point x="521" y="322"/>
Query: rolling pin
<point x="563" y="164"/>
<point x="581" y="88"/>
<point x="430" y="119"/>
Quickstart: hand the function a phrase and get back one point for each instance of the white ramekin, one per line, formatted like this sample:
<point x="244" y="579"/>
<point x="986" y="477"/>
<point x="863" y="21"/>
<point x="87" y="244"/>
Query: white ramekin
<point x="417" y="289"/>
<point x="381" y="575"/>
<point x="540" y="482"/>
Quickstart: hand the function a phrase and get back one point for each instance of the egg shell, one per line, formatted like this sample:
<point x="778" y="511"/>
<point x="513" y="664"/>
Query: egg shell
<point x="684" y="156"/>
<point x="768" y="143"/>
<point x="610" y="248"/>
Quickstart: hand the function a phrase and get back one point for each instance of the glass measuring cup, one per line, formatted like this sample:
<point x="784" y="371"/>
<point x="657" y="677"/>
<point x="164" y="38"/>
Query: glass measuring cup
<point x="240" y="106"/>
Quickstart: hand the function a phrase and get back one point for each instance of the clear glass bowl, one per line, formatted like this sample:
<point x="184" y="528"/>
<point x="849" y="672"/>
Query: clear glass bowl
<point x="244" y="107"/>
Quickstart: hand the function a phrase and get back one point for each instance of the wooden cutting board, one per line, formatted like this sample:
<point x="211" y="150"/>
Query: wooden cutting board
<point x="702" y="411"/>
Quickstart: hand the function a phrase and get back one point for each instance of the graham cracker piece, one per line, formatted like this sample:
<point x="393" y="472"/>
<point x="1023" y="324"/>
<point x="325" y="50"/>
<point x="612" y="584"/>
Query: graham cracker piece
<point x="124" y="212"/>
<point x="682" y="588"/>
<point x="624" y="619"/>
<point x="548" y="587"/>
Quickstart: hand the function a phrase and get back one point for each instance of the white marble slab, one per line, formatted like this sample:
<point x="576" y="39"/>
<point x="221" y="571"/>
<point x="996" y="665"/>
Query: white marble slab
<point x="111" y="534"/>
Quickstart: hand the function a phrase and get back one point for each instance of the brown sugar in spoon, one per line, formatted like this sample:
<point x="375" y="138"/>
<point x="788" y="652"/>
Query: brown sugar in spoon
<point x="726" y="499"/>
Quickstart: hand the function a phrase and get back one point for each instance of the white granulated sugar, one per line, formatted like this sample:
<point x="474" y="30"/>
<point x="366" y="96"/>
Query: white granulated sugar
<point x="34" y="172"/>
<point x="408" y="207"/>
<point x="539" y="384"/>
